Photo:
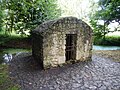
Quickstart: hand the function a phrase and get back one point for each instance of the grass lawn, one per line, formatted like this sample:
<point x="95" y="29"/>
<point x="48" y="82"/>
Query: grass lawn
<point x="109" y="41"/>
<point x="14" y="41"/>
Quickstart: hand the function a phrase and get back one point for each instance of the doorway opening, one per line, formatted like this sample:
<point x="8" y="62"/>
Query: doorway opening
<point x="71" y="41"/>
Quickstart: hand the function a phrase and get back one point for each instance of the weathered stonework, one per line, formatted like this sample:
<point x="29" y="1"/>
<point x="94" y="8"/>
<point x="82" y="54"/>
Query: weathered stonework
<point x="50" y="42"/>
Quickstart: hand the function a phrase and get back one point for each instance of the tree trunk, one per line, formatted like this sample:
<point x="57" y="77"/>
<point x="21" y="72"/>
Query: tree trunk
<point x="104" y="32"/>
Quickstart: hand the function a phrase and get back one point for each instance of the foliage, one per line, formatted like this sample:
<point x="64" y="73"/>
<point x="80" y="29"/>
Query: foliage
<point x="5" y="81"/>
<point x="98" y="29"/>
<point x="110" y="41"/>
<point x="25" y="15"/>
<point x="15" y="41"/>
<point x="108" y="12"/>
<point x="1" y="20"/>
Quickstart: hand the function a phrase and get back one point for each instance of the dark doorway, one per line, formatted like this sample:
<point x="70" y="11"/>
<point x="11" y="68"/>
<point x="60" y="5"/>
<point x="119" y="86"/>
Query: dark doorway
<point x="71" y="40"/>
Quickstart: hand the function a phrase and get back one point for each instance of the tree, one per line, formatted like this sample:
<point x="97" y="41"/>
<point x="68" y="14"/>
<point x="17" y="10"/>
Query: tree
<point x="111" y="10"/>
<point x="108" y="12"/>
<point x="25" y="15"/>
<point x="1" y="18"/>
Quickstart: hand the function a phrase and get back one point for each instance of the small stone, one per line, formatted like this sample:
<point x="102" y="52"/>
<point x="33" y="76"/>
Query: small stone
<point x="92" y="87"/>
<point x="40" y="87"/>
<point x="30" y="83"/>
<point x="106" y="83"/>
<point x="51" y="88"/>
<point x="102" y="88"/>
<point x="76" y="85"/>
<point x="10" y="72"/>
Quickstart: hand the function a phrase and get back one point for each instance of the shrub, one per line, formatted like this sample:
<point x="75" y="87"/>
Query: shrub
<point x="109" y="40"/>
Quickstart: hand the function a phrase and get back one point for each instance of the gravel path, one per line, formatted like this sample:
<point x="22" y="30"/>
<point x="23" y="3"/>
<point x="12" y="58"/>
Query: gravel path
<point x="102" y="73"/>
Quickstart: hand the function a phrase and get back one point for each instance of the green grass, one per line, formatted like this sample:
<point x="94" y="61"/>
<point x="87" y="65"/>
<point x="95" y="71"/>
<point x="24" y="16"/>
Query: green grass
<point x="5" y="80"/>
<point x="5" y="37"/>
<point x="8" y="40"/>
<point x="109" y="40"/>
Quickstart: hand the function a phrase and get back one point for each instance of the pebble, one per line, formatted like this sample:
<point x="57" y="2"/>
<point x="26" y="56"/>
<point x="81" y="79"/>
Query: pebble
<point x="92" y="75"/>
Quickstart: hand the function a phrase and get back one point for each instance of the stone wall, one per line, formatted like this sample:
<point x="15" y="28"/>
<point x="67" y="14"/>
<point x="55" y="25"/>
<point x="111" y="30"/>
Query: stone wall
<point x="49" y="40"/>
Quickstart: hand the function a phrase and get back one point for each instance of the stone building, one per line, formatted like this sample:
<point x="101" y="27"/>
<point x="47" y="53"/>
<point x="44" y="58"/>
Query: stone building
<point x="58" y="41"/>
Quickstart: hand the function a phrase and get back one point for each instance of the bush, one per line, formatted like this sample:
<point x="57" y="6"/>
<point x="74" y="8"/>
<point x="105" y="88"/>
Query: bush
<point x="109" y="40"/>
<point x="8" y="39"/>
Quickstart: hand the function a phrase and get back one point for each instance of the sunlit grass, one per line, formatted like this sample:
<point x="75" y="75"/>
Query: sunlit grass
<point x="113" y="40"/>
<point x="5" y="38"/>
